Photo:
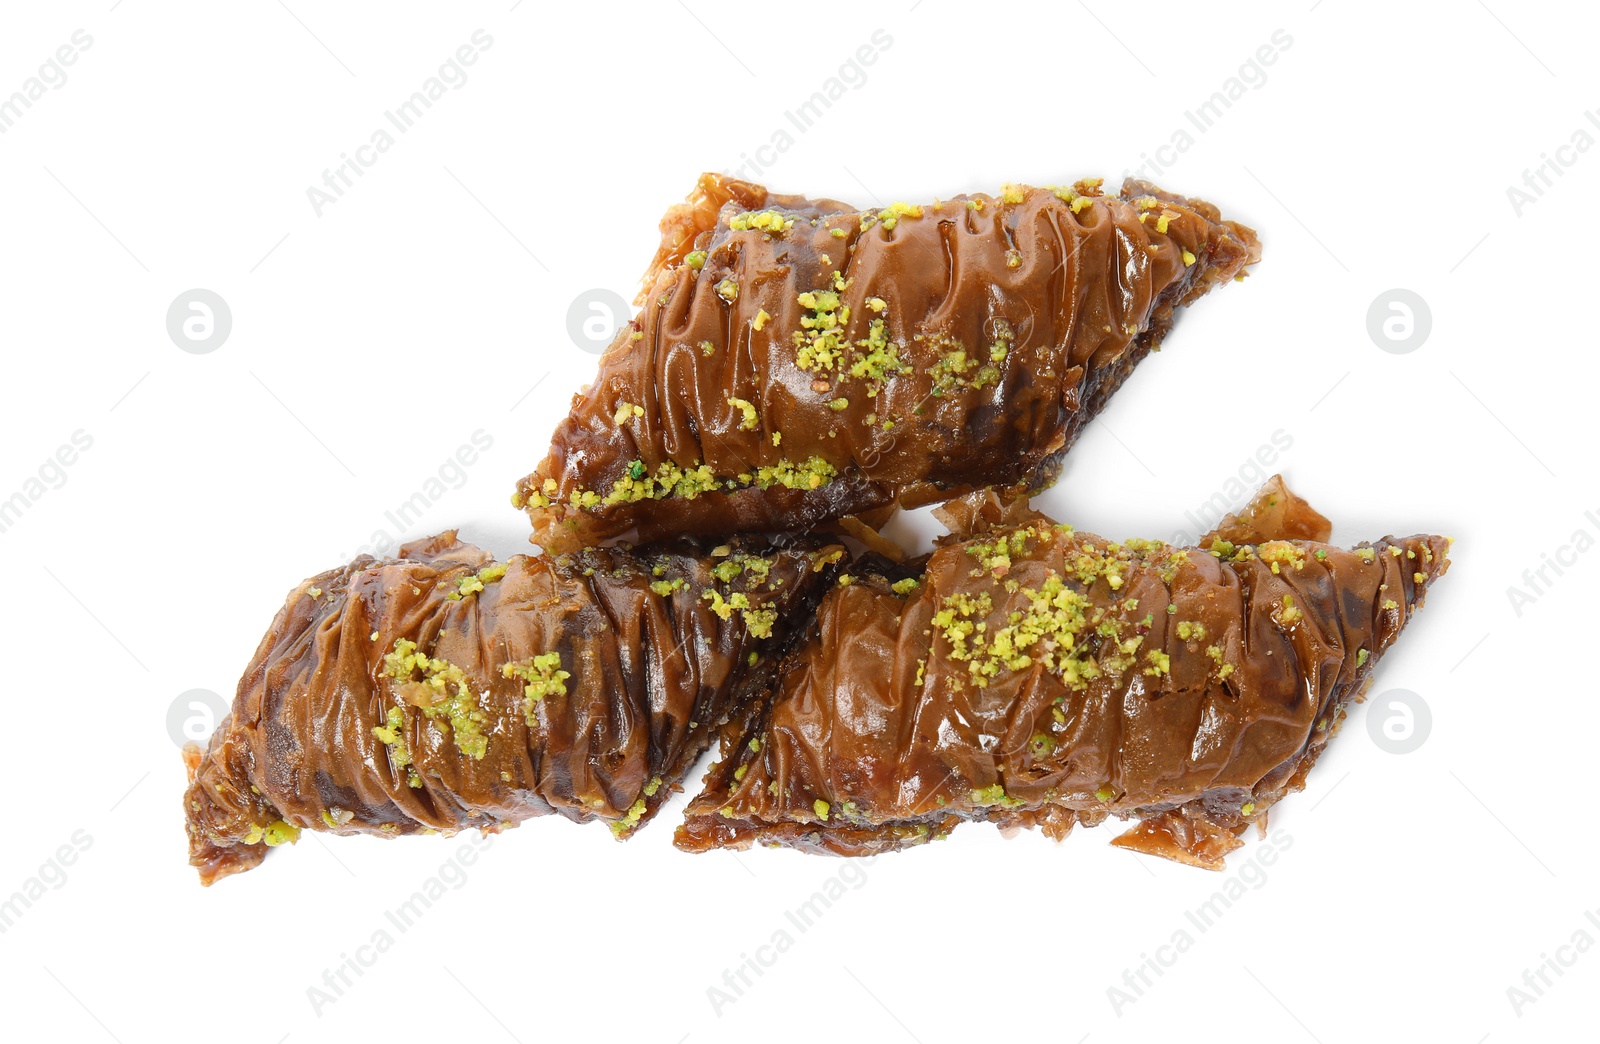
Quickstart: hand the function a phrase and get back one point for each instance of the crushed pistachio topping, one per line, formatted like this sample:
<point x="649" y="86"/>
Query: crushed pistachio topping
<point x="638" y="484"/>
<point x="890" y="216"/>
<point x="1104" y="795"/>
<point x="1188" y="259"/>
<point x="1042" y="745"/>
<point x="757" y="621"/>
<point x="820" y="338"/>
<point x="904" y="587"/>
<point x="750" y="422"/>
<point x="1160" y="663"/>
<point x="469" y="585"/>
<point x="1061" y="627"/>
<point x="1390" y="603"/>
<point x="755" y="568"/>
<point x="708" y="348"/>
<point x="443" y="693"/>
<point x="626" y="411"/>
<point x="665" y="587"/>
<point x="1361" y="657"/>
<point x="1223" y="669"/>
<point x="1366" y="554"/>
<point x="769" y="221"/>
<point x="1190" y="631"/>
<point x="1003" y="337"/>
<point x="1290" y="612"/>
<point x="811" y="473"/>
<point x="954" y="371"/>
<point x="761" y="320"/>
<point x="392" y="735"/>
<point x="1280" y="552"/>
<point x="542" y="675"/>
<point x="995" y="555"/>
<point x="823" y="559"/>
<point x="1011" y="193"/>
<point x="994" y="794"/>
<point x="314" y="592"/>
<point x="821" y="808"/>
<point x="695" y="259"/>
<point x="1247" y="808"/>
<point x="878" y="358"/>
<point x="635" y="813"/>
<point x="841" y="403"/>
<point x="728" y="289"/>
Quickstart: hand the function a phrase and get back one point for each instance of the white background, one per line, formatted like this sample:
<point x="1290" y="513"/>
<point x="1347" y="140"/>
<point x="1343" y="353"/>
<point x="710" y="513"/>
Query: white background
<point x="369" y="342"/>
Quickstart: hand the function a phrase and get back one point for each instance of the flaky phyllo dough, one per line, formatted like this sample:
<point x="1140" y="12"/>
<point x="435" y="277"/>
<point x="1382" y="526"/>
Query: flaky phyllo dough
<point x="440" y="690"/>
<point x="798" y="360"/>
<point x="1031" y="675"/>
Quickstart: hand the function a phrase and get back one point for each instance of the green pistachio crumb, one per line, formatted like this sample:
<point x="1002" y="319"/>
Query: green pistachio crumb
<point x="750" y="421"/>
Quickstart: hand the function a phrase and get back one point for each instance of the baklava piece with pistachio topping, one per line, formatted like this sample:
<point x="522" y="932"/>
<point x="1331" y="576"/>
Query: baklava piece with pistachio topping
<point x="798" y="361"/>
<point x="439" y="690"/>
<point x="1037" y="676"/>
